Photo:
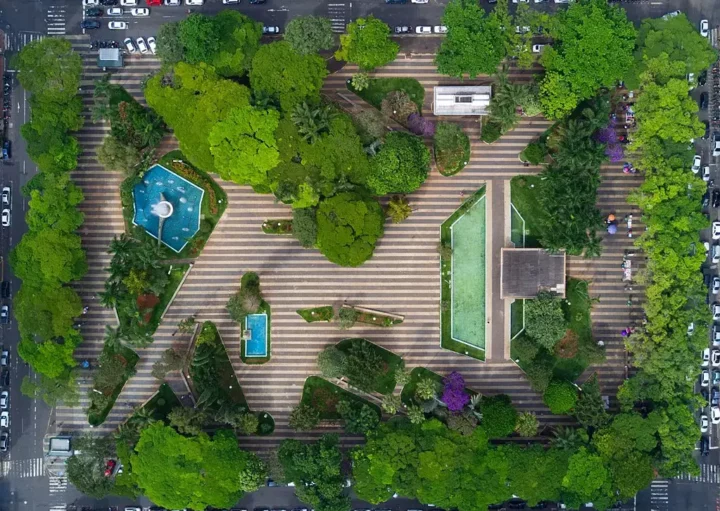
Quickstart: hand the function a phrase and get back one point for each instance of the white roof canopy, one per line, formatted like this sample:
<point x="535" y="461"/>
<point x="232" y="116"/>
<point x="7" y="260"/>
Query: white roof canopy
<point x="461" y="99"/>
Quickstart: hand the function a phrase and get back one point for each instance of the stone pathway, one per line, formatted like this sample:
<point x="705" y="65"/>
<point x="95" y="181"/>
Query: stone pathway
<point x="402" y="277"/>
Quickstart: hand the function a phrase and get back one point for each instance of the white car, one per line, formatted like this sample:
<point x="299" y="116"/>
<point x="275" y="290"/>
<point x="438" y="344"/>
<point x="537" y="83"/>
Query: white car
<point x="226" y="2"/>
<point x="152" y="44"/>
<point x="697" y="162"/>
<point x="706" y="173"/>
<point x="715" y="415"/>
<point x="270" y="30"/>
<point x="4" y="399"/>
<point x="716" y="337"/>
<point x="129" y="45"/>
<point x="522" y="30"/>
<point x="194" y="2"/>
<point x="706" y="244"/>
<point x="117" y="25"/>
<point x="716" y="144"/>
<point x="440" y="29"/>
<point x="91" y="3"/>
<point x="142" y="46"/>
<point x="716" y="317"/>
<point x="174" y="3"/>
<point x="6" y="195"/>
<point x="715" y="358"/>
<point x="538" y="48"/>
<point x="705" y="378"/>
<point x="716" y="230"/>
<point x="140" y="11"/>
<point x="114" y="11"/>
<point x="715" y="285"/>
<point x="704" y="28"/>
<point x="706" y="357"/>
<point x="128" y="3"/>
<point x="423" y="30"/>
<point x="5" y="420"/>
<point x="671" y="15"/>
<point x="521" y="1"/>
<point x="6" y="217"/>
<point x="704" y="423"/>
<point x="4" y="358"/>
<point x="419" y="1"/>
<point x="691" y="328"/>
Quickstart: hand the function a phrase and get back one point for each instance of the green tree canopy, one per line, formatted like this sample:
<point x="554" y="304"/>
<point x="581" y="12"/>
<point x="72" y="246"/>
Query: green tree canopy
<point x="587" y="480"/>
<point x="285" y="75"/>
<point x="475" y="42"/>
<point x="590" y="408"/>
<point x="401" y="166"/>
<point x="51" y="358"/>
<point x="367" y="43"/>
<point x="244" y="145"/>
<point x="545" y="319"/>
<point x="560" y="396"/>
<point x="593" y="44"/>
<point x="349" y="225"/>
<point x="50" y="68"/>
<point x="309" y="34"/>
<point x="499" y="416"/>
<point x="177" y="472"/>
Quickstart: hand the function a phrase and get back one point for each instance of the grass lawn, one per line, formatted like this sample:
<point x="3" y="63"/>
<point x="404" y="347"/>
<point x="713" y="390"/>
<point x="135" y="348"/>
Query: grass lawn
<point x="264" y="307"/>
<point x="446" y="340"/>
<point x="380" y="87"/>
<point x="386" y="383"/>
<point x="97" y="416"/>
<point x="324" y="397"/>
<point x="325" y="313"/>
<point x="517" y="310"/>
<point x="524" y="196"/>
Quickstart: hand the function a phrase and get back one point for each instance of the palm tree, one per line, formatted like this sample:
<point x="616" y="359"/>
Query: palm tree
<point x="114" y="338"/>
<point x="311" y="123"/>
<point x="398" y="209"/>
<point x="100" y="110"/>
<point x="102" y="86"/>
<point x="566" y="438"/>
<point x="126" y="434"/>
<point x="142" y="418"/>
<point x="109" y="296"/>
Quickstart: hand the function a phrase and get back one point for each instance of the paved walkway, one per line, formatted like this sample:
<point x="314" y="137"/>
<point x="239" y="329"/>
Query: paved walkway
<point x="402" y="277"/>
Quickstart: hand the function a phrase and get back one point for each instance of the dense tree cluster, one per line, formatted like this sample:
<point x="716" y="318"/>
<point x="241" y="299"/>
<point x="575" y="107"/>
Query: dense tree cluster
<point x="670" y="199"/>
<point x="49" y="257"/>
<point x="367" y="43"/>
<point x="309" y="34"/>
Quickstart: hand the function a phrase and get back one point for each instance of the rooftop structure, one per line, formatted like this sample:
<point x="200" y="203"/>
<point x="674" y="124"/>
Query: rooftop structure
<point x="110" y="57"/>
<point x="524" y="272"/>
<point x="167" y="206"/>
<point x="461" y="99"/>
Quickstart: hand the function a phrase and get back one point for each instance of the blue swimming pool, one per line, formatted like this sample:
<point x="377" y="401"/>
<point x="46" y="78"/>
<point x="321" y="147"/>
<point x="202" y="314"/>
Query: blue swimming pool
<point x="184" y="198"/>
<point x="256" y="345"/>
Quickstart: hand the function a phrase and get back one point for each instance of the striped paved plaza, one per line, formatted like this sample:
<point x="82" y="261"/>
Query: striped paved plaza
<point x="402" y="277"/>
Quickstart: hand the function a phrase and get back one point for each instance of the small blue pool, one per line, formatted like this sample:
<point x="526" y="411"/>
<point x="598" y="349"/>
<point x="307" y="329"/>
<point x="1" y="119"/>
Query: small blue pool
<point x="256" y="343"/>
<point x="182" y="202"/>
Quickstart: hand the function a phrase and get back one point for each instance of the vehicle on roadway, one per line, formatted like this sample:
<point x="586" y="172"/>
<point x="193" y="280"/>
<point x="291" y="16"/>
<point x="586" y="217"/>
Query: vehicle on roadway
<point x="707" y="130"/>
<point x="140" y="11"/>
<point x="128" y="3"/>
<point x="715" y="415"/>
<point x="696" y="164"/>
<point x="115" y="11"/>
<point x="117" y="25"/>
<point x="423" y="30"/>
<point x="194" y="2"/>
<point x="90" y="3"/>
<point x="440" y="29"/>
<point x="715" y="358"/>
<point x="6" y="196"/>
<point x="705" y="378"/>
<point x="704" y="28"/>
<point x="94" y="12"/>
<point x="671" y="15"/>
<point x="5" y="289"/>
<point x="142" y="46"/>
<point x="5" y="314"/>
<point x="108" y="3"/>
<point x="173" y="3"/>
<point x="704" y="445"/>
<point x="4" y="419"/>
<point x="716" y="230"/>
<point x="716" y="285"/>
<point x="403" y="30"/>
<point x="257" y="2"/>
<point x="129" y="45"/>
<point x="271" y="30"/>
<point x="6" y="217"/>
<point x="706" y="173"/>
<point x="706" y="357"/>
<point x="703" y="103"/>
<point x="89" y="24"/>
<point x="537" y="48"/>
<point x="419" y="1"/>
<point x="226" y="2"/>
<point x="152" y="44"/>
<point x="4" y="400"/>
<point x="704" y="423"/>
<point x="386" y="1"/>
<point x="5" y="358"/>
<point x="6" y="150"/>
<point x="4" y="442"/>
<point x="109" y="467"/>
<point x="716" y="144"/>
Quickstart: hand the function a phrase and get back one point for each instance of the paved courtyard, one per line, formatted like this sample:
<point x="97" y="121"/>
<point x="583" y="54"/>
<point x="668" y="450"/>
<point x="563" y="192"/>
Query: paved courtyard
<point x="402" y="277"/>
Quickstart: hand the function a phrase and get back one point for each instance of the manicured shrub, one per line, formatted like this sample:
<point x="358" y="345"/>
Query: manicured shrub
<point x="525" y="348"/>
<point x="560" y="396"/>
<point x="420" y="125"/>
<point x="452" y="148"/>
<point x="527" y="424"/>
<point x="490" y="132"/>
<point x="401" y="165"/>
<point x="545" y="319"/>
<point x="331" y="362"/>
<point x="454" y="395"/>
<point x="358" y="419"/>
<point x="463" y="423"/>
<point x="398" y="105"/>
<point x="304" y="226"/>
<point x="535" y="153"/>
<point x="498" y="415"/>
<point x="539" y="373"/>
<point x="304" y="418"/>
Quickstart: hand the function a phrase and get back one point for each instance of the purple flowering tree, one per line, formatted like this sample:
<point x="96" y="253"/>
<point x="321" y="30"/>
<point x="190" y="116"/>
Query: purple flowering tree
<point x="454" y="395"/>
<point x="608" y="136"/>
<point x="420" y="126"/>
<point x="615" y="152"/>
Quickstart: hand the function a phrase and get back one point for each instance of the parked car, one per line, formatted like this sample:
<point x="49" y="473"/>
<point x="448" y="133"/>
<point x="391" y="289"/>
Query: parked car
<point x="714" y="397"/>
<point x="705" y="378"/>
<point x="93" y="12"/>
<point x="6" y="196"/>
<point x="5" y="289"/>
<point x="696" y="164"/>
<point x="4" y="400"/>
<point x="90" y="3"/>
<point x="108" y="3"/>
<point x="5" y="314"/>
<point x="142" y="46"/>
<point x="117" y="25"/>
<point x="715" y="285"/>
<point x="6" y="150"/>
<point x="706" y="357"/>
<point x="707" y="130"/>
<point x="715" y="358"/>
<point x="715" y="336"/>
<point x="4" y="419"/>
<point x="152" y="44"/>
<point x="109" y="467"/>
<point x="715" y="415"/>
<point x="140" y="11"/>
<point x="703" y="102"/>
<point x="704" y="423"/>
<point x="4" y="442"/>
<point x="5" y="378"/>
<point x="706" y="173"/>
<point x="226" y="2"/>
<point x="423" y="30"/>
<point x="439" y="29"/>
<point x="704" y="28"/>
<point x="257" y="2"/>
<point x="704" y="445"/>
<point x="403" y="30"/>
<point x="129" y="45"/>
<point x="6" y="217"/>
<point x="128" y="3"/>
<point x="521" y="30"/>
<point x="5" y="358"/>
<point x="716" y="230"/>
<point x="271" y="30"/>
<point x="194" y="2"/>
<point x="671" y="15"/>
<point x="89" y="24"/>
<point x="173" y="3"/>
<point x="716" y="144"/>
<point x="537" y="48"/>
<point x="395" y="1"/>
<point x="115" y="11"/>
<point x="706" y="199"/>
<point x="419" y="1"/>
<point x="715" y="379"/>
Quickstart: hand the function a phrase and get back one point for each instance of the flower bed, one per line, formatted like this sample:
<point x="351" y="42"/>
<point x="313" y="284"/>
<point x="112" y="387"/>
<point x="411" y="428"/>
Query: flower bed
<point x="325" y="313"/>
<point x="276" y="226"/>
<point x="376" y="318"/>
<point x="324" y="396"/>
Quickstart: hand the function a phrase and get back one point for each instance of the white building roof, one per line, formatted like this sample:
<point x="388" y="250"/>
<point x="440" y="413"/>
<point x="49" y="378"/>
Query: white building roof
<point x="461" y="99"/>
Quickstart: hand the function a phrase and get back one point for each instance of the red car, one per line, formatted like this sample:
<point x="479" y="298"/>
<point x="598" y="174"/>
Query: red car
<point x="154" y="3"/>
<point x="109" y="468"/>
